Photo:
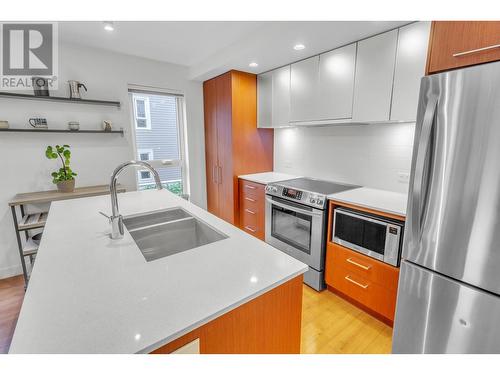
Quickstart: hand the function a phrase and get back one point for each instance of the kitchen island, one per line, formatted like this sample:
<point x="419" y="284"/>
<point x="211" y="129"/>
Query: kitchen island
<point x="91" y="294"/>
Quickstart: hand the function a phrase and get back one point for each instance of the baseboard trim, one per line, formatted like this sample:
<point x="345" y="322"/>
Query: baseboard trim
<point x="7" y="272"/>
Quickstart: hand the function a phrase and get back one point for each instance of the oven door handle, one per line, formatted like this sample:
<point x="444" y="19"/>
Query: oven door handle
<point x="314" y="212"/>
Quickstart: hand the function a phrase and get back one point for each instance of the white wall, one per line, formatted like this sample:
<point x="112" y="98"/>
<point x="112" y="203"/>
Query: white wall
<point x="107" y="75"/>
<point x="368" y="155"/>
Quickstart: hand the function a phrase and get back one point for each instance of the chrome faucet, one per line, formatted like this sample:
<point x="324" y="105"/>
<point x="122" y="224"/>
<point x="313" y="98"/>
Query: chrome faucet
<point x="116" y="220"/>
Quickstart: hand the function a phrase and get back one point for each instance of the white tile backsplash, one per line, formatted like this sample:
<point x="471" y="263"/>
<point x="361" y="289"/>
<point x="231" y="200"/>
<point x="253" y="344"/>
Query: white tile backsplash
<point x="368" y="155"/>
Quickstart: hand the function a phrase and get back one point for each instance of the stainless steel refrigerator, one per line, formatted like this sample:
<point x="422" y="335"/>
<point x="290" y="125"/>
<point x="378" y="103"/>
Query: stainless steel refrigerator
<point x="449" y="286"/>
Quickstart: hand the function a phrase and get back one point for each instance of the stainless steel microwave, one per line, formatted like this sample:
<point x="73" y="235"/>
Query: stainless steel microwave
<point x="377" y="237"/>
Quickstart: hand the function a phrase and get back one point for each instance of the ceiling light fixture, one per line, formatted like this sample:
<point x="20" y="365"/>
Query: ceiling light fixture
<point x="299" y="47"/>
<point x="109" y="26"/>
<point x="253" y="65"/>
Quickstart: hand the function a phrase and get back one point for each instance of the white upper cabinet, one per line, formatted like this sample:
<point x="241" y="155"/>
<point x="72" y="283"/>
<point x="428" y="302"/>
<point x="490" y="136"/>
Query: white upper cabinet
<point x="281" y="97"/>
<point x="304" y="85"/>
<point x="411" y="57"/>
<point x="374" y="80"/>
<point x="374" y="77"/>
<point x="264" y="100"/>
<point x="273" y="98"/>
<point x="336" y="83"/>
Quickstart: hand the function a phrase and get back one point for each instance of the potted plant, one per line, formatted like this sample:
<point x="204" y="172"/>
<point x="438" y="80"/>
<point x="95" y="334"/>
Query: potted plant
<point x="64" y="178"/>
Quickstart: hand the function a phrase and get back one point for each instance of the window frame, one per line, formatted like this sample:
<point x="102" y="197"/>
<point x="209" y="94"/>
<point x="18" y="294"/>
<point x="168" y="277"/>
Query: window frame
<point x="147" y="112"/>
<point x="183" y="161"/>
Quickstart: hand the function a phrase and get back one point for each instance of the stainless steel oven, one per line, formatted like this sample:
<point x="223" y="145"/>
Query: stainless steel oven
<point x="299" y="231"/>
<point x="296" y="222"/>
<point x="377" y="237"/>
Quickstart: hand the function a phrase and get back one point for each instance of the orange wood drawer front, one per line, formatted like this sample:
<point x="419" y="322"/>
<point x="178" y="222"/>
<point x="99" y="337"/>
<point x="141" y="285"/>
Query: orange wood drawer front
<point x="369" y="268"/>
<point x="252" y="208"/>
<point x="366" y="292"/>
<point x="251" y="204"/>
<point x="253" y="224"/>
<point x="370" y="282"/>
<point x="252" y="190"/>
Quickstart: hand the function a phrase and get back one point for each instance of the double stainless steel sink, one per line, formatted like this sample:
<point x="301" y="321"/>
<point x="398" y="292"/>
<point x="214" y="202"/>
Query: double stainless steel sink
<point x="163" y="233"/>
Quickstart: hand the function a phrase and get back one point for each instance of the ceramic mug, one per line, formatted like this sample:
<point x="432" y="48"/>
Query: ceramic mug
<point x="74" y="125"/>
<point x="40" y="86"/>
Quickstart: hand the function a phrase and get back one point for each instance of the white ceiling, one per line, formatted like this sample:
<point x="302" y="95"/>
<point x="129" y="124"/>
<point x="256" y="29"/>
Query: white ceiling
<point x="209" y="48"/>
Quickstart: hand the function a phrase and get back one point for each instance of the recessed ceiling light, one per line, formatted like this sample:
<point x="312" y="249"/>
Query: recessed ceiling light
<point x="109" y="26"/>
<point x="299" y="47"/>
<point x="253" y="65"/>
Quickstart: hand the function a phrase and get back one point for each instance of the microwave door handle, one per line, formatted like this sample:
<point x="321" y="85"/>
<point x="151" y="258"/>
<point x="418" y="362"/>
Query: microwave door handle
<point x="425" y="138"/>
<point x="296" y="209"/>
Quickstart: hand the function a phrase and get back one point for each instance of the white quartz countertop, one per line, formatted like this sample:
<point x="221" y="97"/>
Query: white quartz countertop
<point x="91" y="294"/>
<point x="267" y="177"/>
<point x="380" y="200"/>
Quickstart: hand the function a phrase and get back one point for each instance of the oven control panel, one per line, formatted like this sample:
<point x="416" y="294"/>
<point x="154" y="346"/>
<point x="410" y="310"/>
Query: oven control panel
<point x="292" y="193"/>
<point x="296" y="195"/>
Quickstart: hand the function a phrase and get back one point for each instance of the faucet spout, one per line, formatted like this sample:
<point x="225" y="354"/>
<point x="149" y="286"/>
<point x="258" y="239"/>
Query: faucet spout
<point x="116" y="219"/>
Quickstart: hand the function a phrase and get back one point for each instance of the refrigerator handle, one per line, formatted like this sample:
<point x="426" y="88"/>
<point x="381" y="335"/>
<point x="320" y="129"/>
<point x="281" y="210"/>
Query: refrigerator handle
<point x="425" y="138"/>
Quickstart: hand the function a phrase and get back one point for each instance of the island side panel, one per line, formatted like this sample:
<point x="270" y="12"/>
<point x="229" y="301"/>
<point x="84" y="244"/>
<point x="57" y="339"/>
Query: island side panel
<point x="268" y="324"/>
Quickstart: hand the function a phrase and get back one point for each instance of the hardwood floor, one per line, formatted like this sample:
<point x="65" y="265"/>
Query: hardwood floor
<point x="11" y="298"/>
<point x="329" y="323"/>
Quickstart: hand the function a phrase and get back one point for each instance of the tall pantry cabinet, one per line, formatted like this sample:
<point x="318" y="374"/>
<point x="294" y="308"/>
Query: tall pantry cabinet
<point x="233" y="143"/>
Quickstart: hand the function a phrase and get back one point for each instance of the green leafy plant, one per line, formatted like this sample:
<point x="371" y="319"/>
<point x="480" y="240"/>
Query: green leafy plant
<point x="64" y="154"/>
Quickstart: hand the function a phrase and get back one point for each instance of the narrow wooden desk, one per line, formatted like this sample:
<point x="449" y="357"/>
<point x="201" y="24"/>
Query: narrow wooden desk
<point x="36" y="220"/>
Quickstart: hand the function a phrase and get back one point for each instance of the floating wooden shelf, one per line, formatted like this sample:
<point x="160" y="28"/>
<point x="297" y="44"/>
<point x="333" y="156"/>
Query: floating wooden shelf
<point x="34" y="130"/>
<point x="60" y="99"/>
<point x="32" y="221"/>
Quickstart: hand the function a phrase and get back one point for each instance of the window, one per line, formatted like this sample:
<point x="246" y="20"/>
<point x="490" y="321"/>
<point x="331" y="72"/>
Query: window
<point x="142" y="113"/>
<point x="145" y="175"/>
<point x="159" y="139"/>
<point x="145" y="155"/>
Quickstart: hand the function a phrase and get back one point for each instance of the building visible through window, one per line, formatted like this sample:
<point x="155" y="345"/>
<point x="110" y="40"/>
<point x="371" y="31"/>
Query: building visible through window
<point x="142" y="113"/>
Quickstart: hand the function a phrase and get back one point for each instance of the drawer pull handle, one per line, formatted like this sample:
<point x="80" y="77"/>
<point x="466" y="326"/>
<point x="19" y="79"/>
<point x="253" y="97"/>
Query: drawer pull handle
<point x="366" y="268"/>
<point x="214" y="175"/>
<point x="250" y="229"/>
<point x="364" y="286"/>
<point x="250" y="199"/>
<point x="476" y="50"/>
<point x="250" y="187"/>
<point x="249" y="211"/>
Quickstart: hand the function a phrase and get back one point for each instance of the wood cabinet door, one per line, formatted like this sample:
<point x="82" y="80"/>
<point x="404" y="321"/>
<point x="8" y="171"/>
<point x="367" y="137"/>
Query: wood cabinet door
<point x="456" y="44"/>
<point x="413" y="42"/>
<point x="304" y="84"/>
<point x="336" y="83"/>
<point x="264" y="100"/>
<point x="210" y="112"/>
<point x="374" y="77"/>
<point x="224" y="147"/>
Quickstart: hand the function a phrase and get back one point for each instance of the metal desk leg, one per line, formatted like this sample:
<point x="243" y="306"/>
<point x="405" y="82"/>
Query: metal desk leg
<point x="21" y="208"/>
<point x="20" y="246"/>
<point x="26" y="234"/>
